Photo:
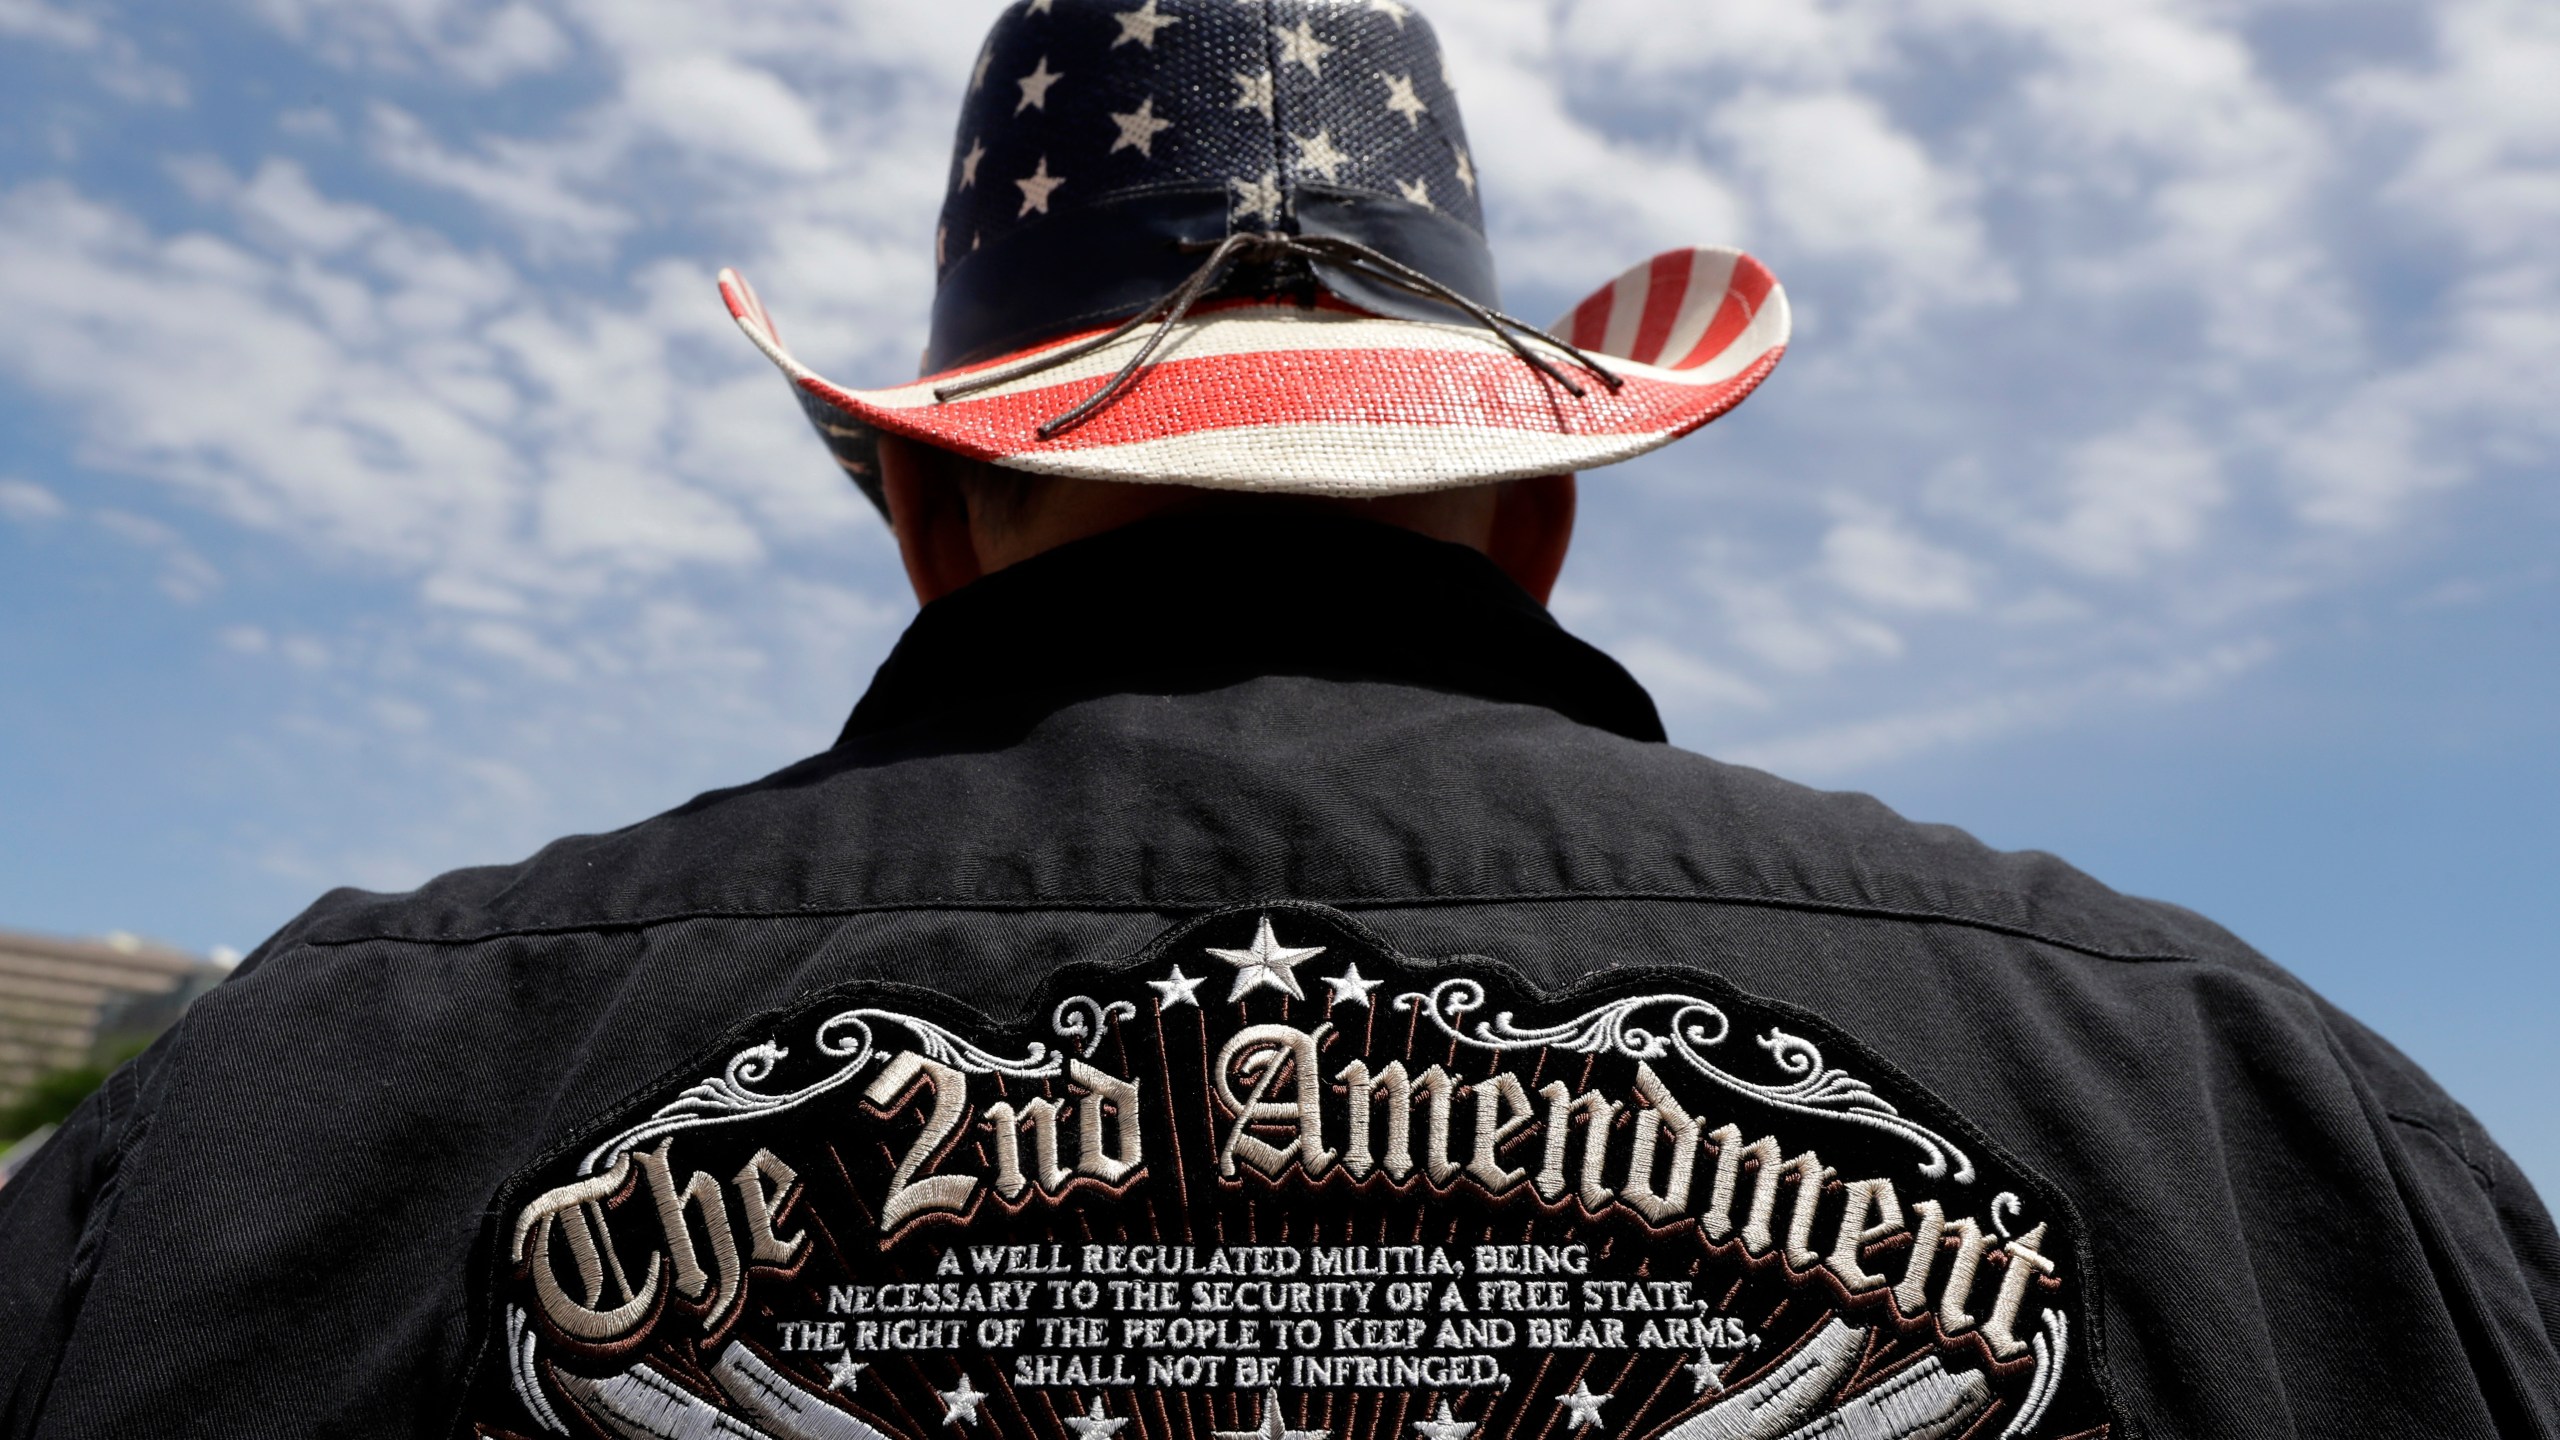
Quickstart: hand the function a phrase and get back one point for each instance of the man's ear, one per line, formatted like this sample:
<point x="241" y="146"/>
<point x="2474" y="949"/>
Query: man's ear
<point x="930" y="517"/>
<point x="1532" y="530"/>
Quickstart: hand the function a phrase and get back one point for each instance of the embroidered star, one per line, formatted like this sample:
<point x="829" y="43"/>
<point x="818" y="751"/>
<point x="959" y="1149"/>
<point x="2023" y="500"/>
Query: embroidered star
<point x="1259" y="199"/>
<point x="969" y="163"/>
<point x="1392" y="10"/>
<point x="1094" y="1425"/>
<point x="1269" y="963"/>
<point x="1270" y="1428"/>
<point x="1466" y="172"/>
<point x="845" y="1373"/>
<point x="1142" y="24"/>
<point x="961" y="1406"/>
<point x="1039" y="7"/>
<point x="1035" y="86"/>
<point x="1402" y="100"/>
<point x="1139" y="129"/>
<point x="1417" y="191"/>
<point x="1177" y="989"/>
<point x="1445" y="1426"/>
<point x="1256" y="92"/>
<point x="978" y="76"/>
<point x="1301" y="47"/>
<point x="1316" y="153"/>
<point x="942" y="245"/>
<point x="1352" y="988"/>
<point x="1037" y="187"/>
<point x="1582" y="1407"/>
<point x="1704" y="1370"/>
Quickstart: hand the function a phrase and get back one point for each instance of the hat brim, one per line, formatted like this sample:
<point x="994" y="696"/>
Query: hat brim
<point x="1336" y="401"/>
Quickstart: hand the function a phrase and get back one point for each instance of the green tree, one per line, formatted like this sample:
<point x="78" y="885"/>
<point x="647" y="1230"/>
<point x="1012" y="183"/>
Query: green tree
<point x="52" y="1098"/>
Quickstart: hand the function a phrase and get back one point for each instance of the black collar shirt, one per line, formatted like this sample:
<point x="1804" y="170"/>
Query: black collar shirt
<point x="2229" y="1210"/>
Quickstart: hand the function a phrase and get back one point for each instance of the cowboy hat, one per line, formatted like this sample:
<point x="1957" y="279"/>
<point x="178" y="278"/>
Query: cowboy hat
<point x="1239" y="246"/>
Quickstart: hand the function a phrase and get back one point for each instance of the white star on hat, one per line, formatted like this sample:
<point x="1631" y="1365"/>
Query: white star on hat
<point x="969" y="162"/>
<point x="1402" y="99"/>
<point x="1037" y="187"/>
<point x="1094" y="1425"/>
<point x="1142" y="24"/>
<point x="1353" y="988"/>
<point x="978" y="75"/>
<point x="1177" y="989"/>
<point x="1139" y="129"/>
<point x="1257" y="92"/>
<point x="1035" y="86"/>
<point x="1445" y="1426"/>
<point x="1316" y="153"/>
<point x="1466" y="172"/>
<point x="961" y="1405"/>
<point x="1582" y="1407"/>
<point x="1259" y="199"/>
<point x="1301" y="47"/>
<point x="1269" y="963"/>
<point x="1417" y="191"/>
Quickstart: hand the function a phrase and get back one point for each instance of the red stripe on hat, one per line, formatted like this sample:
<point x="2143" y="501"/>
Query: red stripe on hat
<point x="1353" y="388"/>
<point x="1591" y="320"/>
<point x="1662" y="302"/>
<point x="1743" y="295"/>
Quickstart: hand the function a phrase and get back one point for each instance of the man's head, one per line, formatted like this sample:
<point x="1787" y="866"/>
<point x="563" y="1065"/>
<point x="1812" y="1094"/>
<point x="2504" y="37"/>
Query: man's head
<point x="1197" y="254"/>
<point x="957" y="518"/>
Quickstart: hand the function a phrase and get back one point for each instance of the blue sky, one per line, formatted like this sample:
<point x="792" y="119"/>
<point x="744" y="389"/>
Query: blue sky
<point x="2162" y="475"/>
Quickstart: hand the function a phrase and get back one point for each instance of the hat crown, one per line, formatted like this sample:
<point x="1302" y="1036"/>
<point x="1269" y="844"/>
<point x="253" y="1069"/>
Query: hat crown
<point x="1097" y="136"/>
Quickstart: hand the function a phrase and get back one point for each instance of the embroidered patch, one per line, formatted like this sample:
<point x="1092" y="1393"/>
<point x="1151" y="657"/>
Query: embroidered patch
<point x="1273" y="1181"/>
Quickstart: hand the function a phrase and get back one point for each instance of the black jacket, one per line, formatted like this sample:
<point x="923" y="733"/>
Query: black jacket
<point x="2229" y="1209"/>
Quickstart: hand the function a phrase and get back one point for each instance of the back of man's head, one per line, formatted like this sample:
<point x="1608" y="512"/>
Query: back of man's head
<point x="958" y="518"/>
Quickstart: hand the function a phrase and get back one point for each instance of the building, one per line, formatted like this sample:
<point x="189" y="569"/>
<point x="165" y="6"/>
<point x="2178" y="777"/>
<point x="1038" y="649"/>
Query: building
<point x="69" y="1003"/>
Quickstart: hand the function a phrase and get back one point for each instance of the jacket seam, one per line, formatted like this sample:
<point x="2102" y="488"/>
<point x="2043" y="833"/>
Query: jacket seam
<point x="1100" y="905"/>
<point x="2479" y="1173"/>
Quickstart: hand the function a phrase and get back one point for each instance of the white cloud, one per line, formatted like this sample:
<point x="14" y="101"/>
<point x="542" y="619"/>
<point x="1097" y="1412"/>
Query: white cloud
<point x="1684" y="684"/>
<point x="1768" y="622"/>
<point x="2485" y="174"/>
<point x="2131" y="498"/>
<point x="732" y="110"/>
<point x="1869" y="553"/>
<point x="481" y="44"/>
<point x="1803" y="42"/>
<point x="185" y="576"/>
<point x="117" y="64"/>
<point x="1840" y="180"/>
<point x="364" y="387"/>
<point x="532" y="186"/>
<point x="34" y="20"/>
<point x="27" y="502"/>
<point x="1839" y="751"/>
<point x="281" y="198"/>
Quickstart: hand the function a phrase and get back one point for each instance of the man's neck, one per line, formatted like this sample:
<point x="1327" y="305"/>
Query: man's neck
<point x="1186" y="602"/>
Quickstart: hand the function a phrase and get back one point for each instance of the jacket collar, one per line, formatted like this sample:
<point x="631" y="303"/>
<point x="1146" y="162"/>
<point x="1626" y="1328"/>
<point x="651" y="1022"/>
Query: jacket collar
<point x="1192" y="602"/>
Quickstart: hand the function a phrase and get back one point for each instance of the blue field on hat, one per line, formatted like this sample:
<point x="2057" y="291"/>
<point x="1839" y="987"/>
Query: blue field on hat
<point x="1099" y="137"/>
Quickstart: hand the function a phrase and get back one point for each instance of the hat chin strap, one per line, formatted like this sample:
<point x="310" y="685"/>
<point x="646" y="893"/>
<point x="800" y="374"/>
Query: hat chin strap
<point x="1248" y="248"/>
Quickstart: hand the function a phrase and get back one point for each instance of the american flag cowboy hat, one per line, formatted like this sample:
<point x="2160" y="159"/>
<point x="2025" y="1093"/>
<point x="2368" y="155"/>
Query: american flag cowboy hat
<point x="1239" y="245"/>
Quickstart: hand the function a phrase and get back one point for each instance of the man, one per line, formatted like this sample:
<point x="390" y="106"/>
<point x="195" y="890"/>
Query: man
<point x="1246" y="972"/>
